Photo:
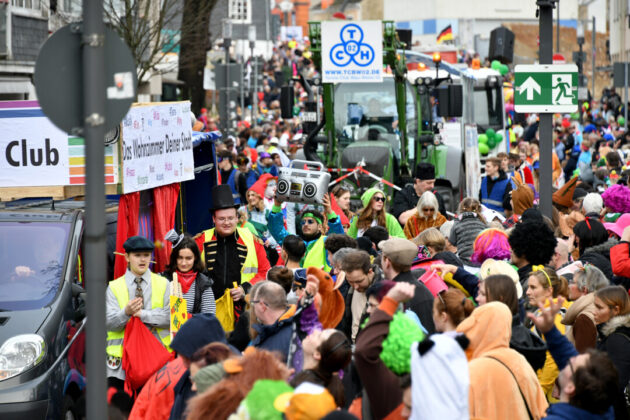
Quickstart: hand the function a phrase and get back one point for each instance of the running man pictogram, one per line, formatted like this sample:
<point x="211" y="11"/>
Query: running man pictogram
<point x="563" y="88"/>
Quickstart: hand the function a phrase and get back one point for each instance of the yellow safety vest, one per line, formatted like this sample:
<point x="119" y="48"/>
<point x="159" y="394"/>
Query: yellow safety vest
<point x="120" y="290"/>
<point x="316" y="256"/>
<point x="250" y="266"/>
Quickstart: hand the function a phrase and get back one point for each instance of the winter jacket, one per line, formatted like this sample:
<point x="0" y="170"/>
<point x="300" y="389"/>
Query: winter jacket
<point x="620" y="259"/>
<point x="277" y="336"/>
<point x="391" y="224"/>
<point x="155" y="401"/>
<point x="422" y="301"/>
<point x="601" y="250"/>
<point x="464" y="233"/>
<point x="566" y="411"/>
<point x="581" y="317"/>
<point x="416" y="225"/>
<point x="614" y="339"/>
<point x="407" y="199"/>
<point x="532" y="347"/>
<point x="495" y="390"/>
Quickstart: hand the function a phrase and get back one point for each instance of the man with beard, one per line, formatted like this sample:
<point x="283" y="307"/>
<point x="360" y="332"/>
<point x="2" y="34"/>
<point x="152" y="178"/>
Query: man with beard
<point x="313" y="230"/>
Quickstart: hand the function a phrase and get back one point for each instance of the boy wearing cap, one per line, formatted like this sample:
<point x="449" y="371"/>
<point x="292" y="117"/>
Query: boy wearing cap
<point x="406" y="200"/>
<point x="397" y="256"/>
<point x="139" y="293"/>
<point x="265" y="165"/>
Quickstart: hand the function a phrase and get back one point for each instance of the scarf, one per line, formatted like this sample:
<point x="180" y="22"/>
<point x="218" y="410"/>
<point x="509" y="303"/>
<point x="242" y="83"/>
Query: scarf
<point x="186" y="279"/>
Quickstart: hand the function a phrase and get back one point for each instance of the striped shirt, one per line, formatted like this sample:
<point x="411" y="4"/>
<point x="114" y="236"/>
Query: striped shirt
<point x="207" y="300"/>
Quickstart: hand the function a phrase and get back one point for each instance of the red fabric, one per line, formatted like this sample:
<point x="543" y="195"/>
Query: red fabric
<point x="186" y="279"/>
<point x="335" y="207"/>
<point x="143" y="354"/>
<point x="128" y="211"/>
<point x="620" y="259"/>
<point x="158" y="395"/>
<point x="164" y="206"/>
<point x="260" y="185"/>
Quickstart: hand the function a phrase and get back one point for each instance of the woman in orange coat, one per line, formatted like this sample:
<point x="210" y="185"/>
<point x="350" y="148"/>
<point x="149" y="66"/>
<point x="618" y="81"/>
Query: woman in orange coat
<point x="427" y="216"/>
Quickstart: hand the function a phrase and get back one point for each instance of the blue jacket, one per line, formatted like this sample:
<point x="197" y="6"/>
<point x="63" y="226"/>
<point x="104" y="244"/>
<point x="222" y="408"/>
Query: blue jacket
<point x="494" y="199"/>
<point x="231" y="182"/>
<point x="275" y="337"/>
<point x="275" y="223"/>
<point x="566" y="411"/>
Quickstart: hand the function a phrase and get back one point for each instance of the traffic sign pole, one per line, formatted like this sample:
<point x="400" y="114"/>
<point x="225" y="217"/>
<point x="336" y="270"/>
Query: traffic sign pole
<point x="545" y="119"/>
<point x="94" y="110"/>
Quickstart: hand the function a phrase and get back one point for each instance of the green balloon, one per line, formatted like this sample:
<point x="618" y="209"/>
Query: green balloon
<point x="621" y="121"/>
<point x="498" y="137"/>
<point x="484" y="149"/>
<point x="504" y="69"/>
<point x="490" y="132"/>
<point x="482" y="139"/>
<point x="495" y="65"/>
<point x="492" y="142"/>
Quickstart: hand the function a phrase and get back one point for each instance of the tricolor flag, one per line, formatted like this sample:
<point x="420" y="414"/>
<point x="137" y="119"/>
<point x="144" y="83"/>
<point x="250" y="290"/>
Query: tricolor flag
<point x="445" y="35"/>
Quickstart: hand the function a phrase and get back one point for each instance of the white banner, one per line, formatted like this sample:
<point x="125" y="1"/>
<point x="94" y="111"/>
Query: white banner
<point x="352" y="52"/>
<point x="473" y="165"/>
<point x="33" y="152"/>
<point x="157" y="146"/>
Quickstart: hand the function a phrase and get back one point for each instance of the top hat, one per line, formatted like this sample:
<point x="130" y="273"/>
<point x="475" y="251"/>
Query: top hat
<point x="222" y="198"/>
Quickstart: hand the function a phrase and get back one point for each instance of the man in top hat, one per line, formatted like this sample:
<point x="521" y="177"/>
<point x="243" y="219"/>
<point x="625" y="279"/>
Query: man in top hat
<point x="232" y="255"/>
<point x="406" y="200"/>
<point x="139" y="293"/>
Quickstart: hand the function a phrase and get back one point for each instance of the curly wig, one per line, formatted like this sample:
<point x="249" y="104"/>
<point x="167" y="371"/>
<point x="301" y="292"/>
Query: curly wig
<point x="533" y="241"/>
<point x="617" y="198"/>
<point x="490" y="243"/>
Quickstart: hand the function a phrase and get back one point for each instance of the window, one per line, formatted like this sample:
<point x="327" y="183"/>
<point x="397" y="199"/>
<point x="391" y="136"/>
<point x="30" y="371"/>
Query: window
<point x="240" y="11"/>
<point x="27" y="4"/>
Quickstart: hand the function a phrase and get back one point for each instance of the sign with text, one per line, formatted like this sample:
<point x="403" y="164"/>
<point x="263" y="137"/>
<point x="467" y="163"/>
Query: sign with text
<point x="546" y="88"/>
<point x="352" y="52"/>
<point x="157" y="146"/>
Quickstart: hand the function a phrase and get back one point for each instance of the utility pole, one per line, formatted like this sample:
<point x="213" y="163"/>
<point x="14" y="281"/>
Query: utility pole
<point x="594" y="49"/>
<point x="254" y="75"/>
<point x="558" y="26"/>
<point x="227" y="41"/>
<point x="545" y="15"/>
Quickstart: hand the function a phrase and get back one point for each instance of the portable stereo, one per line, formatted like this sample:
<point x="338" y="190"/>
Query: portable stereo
<point x="302" y="185"/>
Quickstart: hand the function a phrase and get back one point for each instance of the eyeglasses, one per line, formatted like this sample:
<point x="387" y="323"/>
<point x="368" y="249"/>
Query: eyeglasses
<point x="308" y="222"/>
<point x="381" y="199"/>
<point x="226" y="219"/>
<point x="428" y="209"/>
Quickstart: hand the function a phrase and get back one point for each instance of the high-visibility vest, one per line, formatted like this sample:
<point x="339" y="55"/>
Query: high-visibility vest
<point x="250" y="266"/>
<point x="120" y="290"/>
<point x="316" y="256"/>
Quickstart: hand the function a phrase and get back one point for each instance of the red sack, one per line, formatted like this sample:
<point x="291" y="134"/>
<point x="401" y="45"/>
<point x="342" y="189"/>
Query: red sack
<point x="143" y="354"/>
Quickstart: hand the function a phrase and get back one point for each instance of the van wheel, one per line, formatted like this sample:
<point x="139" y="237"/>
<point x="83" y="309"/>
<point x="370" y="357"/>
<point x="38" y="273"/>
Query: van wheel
<point x="69" y="412"/>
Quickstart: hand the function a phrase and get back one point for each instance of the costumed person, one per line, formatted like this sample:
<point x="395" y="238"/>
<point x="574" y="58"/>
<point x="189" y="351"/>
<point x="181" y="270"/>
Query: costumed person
<point x="186" y="262"/>
<point x="470" y="222"/>
<point x="531" y="243"/>
<point x="139" y="293"/>
<point x="495" y="187"/>
<point x="373" y="214"/>
<point x="342" y="197"/>
<point x="563" y="198"/>
<point x="545" y="285"/>
<point x="406" y="200"/>
<point x="234" y="258"/>
<point x="491" y="243"/>
<point x="426" y="216"/>
<point x="521" y="199"/>
<point x="313" y="231"/>
<point x="257" y="210"/>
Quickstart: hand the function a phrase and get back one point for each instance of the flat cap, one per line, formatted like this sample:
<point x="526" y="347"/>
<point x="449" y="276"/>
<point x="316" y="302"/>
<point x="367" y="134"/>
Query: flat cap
<point x="137" y="244"/>
<point x="398" y="250"/>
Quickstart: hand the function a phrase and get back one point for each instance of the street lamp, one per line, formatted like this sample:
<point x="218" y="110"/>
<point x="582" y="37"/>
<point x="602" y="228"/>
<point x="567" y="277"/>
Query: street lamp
<point x="251" y="35"/>
<point x="227" y="41"/>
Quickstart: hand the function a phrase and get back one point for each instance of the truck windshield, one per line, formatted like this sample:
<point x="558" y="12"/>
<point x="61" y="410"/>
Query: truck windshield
<point x="31" y="263"/>
<point x="488" y="107"/>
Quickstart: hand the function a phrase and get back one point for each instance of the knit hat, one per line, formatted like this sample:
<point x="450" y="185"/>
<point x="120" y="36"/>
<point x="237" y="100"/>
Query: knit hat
<point x="439" y="379"/>
<point x="367" y="196"/>
<point x="592" y="202"/>
<point x="207" y="376"/>
<point x="403" y="331"/>
<point x="564" y="196"/>
<point x="579" y="193"/>
<point x="333" y="305"/>
<point x="522" y="197"/>
<point x="198" y="331"/>
<point x="260" y="185"/>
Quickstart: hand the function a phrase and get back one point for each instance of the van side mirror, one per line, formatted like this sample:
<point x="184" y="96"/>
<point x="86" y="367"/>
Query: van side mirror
<point x="451" y="100"/>
<point x="286" y="102"/>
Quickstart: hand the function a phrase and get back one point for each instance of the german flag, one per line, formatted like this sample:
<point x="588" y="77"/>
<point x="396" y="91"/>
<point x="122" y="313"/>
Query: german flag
<point x="445" y="35"/>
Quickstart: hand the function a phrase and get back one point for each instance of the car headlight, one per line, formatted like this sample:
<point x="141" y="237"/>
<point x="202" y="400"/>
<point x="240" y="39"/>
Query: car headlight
<point x="20" y="353"/>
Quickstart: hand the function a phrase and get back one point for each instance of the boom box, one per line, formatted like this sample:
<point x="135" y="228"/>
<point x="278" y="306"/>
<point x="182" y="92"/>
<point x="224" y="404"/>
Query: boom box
<point x="302" y="185"/>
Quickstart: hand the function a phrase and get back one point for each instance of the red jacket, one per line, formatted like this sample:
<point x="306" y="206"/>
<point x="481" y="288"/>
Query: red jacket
<point x="157" y="396"/>
<point x="620" y="259"/>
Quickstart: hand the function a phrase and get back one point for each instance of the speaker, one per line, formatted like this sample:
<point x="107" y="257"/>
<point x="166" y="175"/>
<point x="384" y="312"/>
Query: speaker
<point x="501" y="45"/>
<point x="450" y="99"/>
<point x="404" y="35"/>
<point x="286" y="101"/>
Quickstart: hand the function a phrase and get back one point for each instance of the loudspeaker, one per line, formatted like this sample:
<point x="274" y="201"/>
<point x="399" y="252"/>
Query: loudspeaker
<point x="404" y="35"/>
<point x="286" y="101"/>
<point x="450" y="99"/>
<point x="501" y="45"/>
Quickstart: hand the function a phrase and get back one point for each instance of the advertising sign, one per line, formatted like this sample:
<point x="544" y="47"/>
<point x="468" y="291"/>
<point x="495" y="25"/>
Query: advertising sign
<point x="157" y="146"/>
<point x="352" y="52"/>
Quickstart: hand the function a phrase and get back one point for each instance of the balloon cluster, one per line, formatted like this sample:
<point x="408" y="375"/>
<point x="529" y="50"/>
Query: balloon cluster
<point x="488" y="140"/>
<point x="501" y="68"/>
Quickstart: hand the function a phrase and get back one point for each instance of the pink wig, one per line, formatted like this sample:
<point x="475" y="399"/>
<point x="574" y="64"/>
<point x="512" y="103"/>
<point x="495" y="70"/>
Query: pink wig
<point x="490" y="243"/>
<point x="617" y="198"/>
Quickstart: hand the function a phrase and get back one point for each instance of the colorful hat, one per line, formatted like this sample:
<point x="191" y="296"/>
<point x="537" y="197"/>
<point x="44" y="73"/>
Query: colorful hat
<point x="617" y="198"/>
<point x="260" y="185"/>
<point x="309" y="402"/>
<point x="333" y="305"/>
<point x="367" y="196"/>
<point x="564" y="196"/>
<point x="617" y="228"/>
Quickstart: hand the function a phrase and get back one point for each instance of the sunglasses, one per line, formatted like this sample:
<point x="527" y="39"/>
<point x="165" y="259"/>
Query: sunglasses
<point x="428" y="209"/>
<point x="308" y="222"/>
<point x="381" y="199"/>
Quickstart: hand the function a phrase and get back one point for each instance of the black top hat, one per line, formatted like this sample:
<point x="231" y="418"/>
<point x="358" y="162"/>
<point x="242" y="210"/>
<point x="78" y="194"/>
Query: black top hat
<point x="425" y="170"/>
<point x="222" y="198"/>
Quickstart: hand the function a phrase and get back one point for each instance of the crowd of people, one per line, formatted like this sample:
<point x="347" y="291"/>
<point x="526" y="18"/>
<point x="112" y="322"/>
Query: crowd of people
<point x="397" y="308"/>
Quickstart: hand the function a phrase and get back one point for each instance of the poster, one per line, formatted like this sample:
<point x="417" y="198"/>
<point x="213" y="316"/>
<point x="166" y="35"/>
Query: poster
<point x="473" y="168"/>
<point x="157" y="146"/>
<point x="352" y="52"/>
<point x="291" y="33"/>
<point x="179" y="313"/>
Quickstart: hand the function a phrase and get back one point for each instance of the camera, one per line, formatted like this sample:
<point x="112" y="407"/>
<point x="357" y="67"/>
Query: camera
<point x="302" y="185"/>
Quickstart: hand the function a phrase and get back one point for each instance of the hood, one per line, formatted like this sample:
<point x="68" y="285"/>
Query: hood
<point x="567" y="411"/>
<point x="21" y="322"/>
<point x="198" y="331"/>
<point x="488" y="328"/>
<point x="585" y="303"/>
<point x="615" y="323"/>
<point x="603" y="248"/>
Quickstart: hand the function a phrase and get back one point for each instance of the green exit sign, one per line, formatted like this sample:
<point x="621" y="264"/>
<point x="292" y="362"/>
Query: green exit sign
<point x="546" y="88"/>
